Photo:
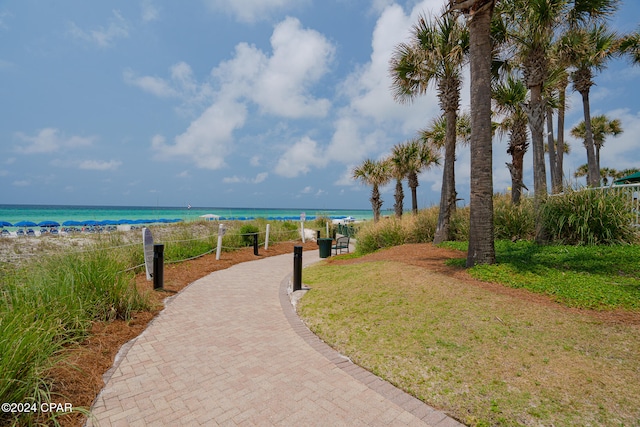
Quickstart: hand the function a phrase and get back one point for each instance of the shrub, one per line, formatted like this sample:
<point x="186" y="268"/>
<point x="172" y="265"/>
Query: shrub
<point x="589" y="217"/>
<point x="247" y="231"/>
<point x="513" y="222"/>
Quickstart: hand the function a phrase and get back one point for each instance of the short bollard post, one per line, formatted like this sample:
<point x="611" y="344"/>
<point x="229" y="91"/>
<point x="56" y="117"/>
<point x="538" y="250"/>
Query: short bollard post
<point x="158" y="266"/>
<point x="255" y="244"/>
<point x="297" y="268"/>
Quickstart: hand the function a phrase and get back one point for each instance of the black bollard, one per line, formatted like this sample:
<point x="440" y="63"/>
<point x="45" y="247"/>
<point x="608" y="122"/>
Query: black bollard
<point x="297" y="268"/>
<point x="158" y="266"/>
<point x="255" y="244"/>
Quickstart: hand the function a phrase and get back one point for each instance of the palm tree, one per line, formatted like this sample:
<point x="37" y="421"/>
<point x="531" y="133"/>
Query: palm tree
<point x="532" y="25"/>
<point x="397" y="170"/>
<point x="589" y="50"/>
<point x="411" y="158"/>
<point x="435" y="55"/>
<point x="630" y="45"/>
<point x="605" y="173"/>
<point x="481" y="237"/>
<point x="601" y="127"/>
<point x="509" y="97"/>
<point x="374" y="173"/>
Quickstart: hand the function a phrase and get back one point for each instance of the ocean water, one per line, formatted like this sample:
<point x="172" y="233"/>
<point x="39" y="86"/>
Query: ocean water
<point x="38" y="213"/>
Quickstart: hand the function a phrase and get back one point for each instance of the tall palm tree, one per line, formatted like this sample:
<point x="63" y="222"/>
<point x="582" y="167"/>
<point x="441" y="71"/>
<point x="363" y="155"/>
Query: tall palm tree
<point x="435" y="55"/>
<point x="532" y="25"/>
<point x="589" y="49"/>
<point x="601" y="127"/>
<point x="481" y="238"/>
<point x="374" y="173"/>
<point x="435" y="136"/>
<point x="509" y="96"/>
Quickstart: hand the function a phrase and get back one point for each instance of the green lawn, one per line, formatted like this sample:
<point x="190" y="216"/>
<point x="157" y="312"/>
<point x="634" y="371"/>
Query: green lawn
<point x="487" y="358"/>
<point x="594" y="277"/>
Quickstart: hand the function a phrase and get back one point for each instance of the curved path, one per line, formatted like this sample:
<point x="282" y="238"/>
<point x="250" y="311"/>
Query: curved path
<point x="230" y="350"/>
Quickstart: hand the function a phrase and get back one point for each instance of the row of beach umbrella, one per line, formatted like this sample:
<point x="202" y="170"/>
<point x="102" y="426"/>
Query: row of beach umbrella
<point x="88" y="223"/>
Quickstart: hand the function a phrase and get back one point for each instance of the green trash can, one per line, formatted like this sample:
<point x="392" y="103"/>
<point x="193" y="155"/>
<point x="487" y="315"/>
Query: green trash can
<point x="325" y="247"/>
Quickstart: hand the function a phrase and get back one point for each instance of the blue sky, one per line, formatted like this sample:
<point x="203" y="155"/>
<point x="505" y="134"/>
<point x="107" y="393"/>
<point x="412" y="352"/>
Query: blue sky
<point x="232" y="103"/>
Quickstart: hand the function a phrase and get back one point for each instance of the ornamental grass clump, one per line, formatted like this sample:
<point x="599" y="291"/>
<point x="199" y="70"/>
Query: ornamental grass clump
<point x="51" y="302"/>
<point x="513" y="222"/>
<point x="589" y="217"/>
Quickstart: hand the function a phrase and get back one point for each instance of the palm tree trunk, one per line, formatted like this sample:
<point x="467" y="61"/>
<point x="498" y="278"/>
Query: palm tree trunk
<point x="399" y="196"/>
<point x="376" y="203"/>
<point x="535" y="111"/>
<point x="413" y="184"/>
<point x="553" y="163"/>
<point x="481" y="243"/>
<point x="593" y="176"/>
<point x="560" y="144"/>
<point x="448" y="194"/>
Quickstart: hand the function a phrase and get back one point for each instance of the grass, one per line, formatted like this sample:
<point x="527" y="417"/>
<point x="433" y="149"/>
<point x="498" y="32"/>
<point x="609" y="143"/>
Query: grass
<point x="50" y="300"/>
<point x="485" y="358"/>
<point x="593" y="277"/>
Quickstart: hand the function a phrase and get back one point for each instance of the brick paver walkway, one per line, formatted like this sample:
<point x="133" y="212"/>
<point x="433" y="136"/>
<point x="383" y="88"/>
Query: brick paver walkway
<point x="229" y="350"/>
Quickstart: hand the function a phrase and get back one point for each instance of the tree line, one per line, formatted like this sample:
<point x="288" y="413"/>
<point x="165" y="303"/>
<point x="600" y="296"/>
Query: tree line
<point x="523" y="56"/>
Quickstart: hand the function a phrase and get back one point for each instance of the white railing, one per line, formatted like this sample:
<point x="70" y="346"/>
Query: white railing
<point x="633" y="192"/>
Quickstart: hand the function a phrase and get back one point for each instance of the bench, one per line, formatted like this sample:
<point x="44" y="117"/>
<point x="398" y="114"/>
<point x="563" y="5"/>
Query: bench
<point x="342" y="243"/>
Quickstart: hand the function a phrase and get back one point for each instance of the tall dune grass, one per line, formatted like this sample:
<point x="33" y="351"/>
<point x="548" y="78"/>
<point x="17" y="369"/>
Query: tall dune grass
<point x="577" y="217"/>
<point x="50" y="301"/>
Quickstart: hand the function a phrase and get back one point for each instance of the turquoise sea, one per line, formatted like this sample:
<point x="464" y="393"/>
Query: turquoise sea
<point x="60" y="214"/>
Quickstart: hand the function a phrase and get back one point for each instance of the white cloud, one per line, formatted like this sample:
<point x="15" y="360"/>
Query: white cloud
<point x="182" y="84"/>
<point x="370" y="98"/>
<point x="99" y="165"/>
<point x="255" y="161"/>
<point x="150" y="11"/>
<point x="49" y="140"/>
<point x="261" y="177"/>
<point x="254" y="10"/>
<point x="299" y="159"/>
<point x="207" y="140"/>
<point x="280" y="84"/>
<point x="154" y="85"/>
<point x="103" y="37"/>
<point x="21" y="183"/>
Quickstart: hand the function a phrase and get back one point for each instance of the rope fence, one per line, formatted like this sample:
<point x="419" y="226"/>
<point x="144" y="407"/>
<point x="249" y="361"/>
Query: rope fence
<point x="235" y="242"/>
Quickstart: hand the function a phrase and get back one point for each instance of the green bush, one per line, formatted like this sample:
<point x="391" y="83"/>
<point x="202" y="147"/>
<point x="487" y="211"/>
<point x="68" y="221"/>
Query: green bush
<point x="247" y="231"/>
<point x="513" y="222"/>
<point x="589" y="217"/>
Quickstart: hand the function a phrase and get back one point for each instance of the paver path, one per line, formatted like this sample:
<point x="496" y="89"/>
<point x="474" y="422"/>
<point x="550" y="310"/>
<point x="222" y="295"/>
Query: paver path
<point x="229" y="350"/>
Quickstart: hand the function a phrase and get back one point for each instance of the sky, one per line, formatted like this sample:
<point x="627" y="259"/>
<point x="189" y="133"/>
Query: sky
<point x="234" y="103"/>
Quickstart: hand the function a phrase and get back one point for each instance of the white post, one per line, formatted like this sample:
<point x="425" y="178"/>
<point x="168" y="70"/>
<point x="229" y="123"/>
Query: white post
<point x="266" y="239"/>
<point x="302" y="230"/>
<point x="221" y="231"/>
<point x="327" y="223"/>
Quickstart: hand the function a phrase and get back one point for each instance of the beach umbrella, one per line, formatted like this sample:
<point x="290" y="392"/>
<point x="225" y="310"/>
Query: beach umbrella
<point x="89" y="222"/>
<point x="5" y="224"/>
<point x="210" y="216"/>
<point x="71" y="223"/>
<point x="48" y="224"/>
<point x="25" y="224"/>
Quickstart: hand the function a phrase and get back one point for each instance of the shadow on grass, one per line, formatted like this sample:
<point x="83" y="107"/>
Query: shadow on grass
<point x="585" y="276"/>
